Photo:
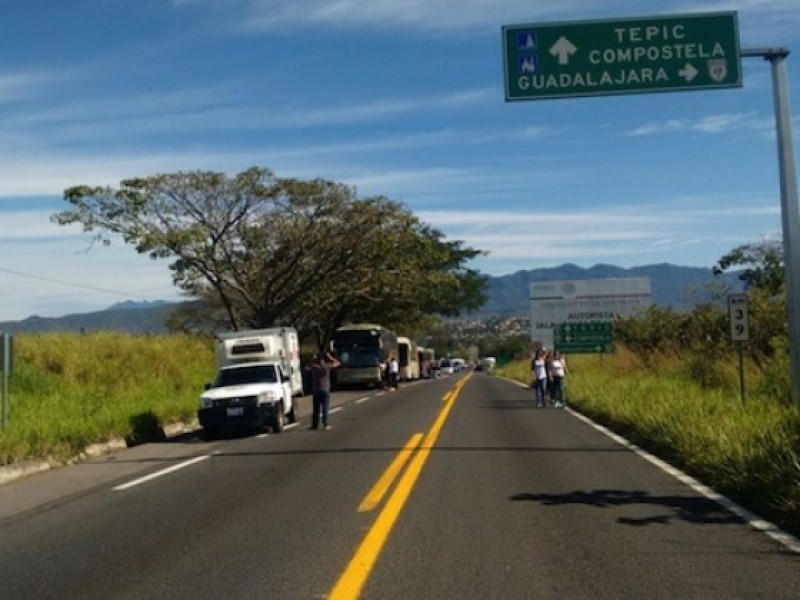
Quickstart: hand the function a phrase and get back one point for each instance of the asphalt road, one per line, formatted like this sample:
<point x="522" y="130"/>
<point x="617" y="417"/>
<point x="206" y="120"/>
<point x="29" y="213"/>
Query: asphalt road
<point x="452" y="488"/>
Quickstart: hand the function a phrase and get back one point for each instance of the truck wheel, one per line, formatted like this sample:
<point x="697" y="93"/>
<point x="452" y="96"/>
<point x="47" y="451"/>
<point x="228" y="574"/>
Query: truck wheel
<point x="210" y="433"/>
<point x="278" y="419"/>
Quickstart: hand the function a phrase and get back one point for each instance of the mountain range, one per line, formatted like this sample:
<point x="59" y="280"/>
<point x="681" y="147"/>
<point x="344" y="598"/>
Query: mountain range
<point x="672" y="286"/>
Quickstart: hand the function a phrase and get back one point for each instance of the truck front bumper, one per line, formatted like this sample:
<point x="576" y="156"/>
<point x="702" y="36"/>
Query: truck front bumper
<point x="237" y="416"/>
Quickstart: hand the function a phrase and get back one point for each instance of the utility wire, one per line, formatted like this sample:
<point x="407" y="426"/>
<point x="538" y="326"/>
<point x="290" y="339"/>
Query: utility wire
<point x="72" y="284"/>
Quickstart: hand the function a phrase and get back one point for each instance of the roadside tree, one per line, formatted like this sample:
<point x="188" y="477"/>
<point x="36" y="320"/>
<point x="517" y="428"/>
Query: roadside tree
<point x="253" y="250"/>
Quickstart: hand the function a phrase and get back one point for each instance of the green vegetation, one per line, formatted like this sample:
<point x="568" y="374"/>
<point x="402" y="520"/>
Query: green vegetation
<point x="687" y="410"/>
<point x="254" y="250"/>
<point x="68" y="390"/>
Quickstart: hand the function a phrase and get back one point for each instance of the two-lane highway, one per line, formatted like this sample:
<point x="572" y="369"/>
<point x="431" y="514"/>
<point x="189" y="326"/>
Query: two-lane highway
<point x="452" y="488"/>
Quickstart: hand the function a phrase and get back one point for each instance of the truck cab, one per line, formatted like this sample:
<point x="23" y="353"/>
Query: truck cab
<point x="249" y="394"/>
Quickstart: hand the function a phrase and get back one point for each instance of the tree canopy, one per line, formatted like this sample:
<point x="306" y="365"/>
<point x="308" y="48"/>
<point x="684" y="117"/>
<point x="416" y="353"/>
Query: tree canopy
<point x="255" y="250"/>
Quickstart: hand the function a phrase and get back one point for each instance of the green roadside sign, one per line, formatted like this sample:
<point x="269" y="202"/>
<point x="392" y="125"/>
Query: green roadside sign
<point x="584" y="338"/>
<point x="643" y="54"/>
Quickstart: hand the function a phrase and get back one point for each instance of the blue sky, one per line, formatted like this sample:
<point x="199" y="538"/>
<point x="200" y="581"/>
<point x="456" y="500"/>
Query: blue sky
<point x="403" y="98"/>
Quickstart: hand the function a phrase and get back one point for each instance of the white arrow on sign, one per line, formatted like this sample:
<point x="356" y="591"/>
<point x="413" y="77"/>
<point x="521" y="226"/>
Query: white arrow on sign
<point x="563" y="49"/>
<point x="688" y="72"/>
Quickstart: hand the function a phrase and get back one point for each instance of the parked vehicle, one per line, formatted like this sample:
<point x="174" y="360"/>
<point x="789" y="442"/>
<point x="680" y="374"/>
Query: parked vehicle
<point x="278" y="344"/>
<point x="408" y="358"/>
<point x="259" y="374"/>
<point x="487" y="363"/>
<point x="362" y="349"/>
<point x="446" y="367"/>
<point x="428" y="366"/>
<point x="459" y="364"/>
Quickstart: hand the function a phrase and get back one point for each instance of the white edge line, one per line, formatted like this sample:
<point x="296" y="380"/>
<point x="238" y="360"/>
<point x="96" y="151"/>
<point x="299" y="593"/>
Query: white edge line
<point x="362" y="400"/>
<point x="157" y="474"/>
<point x="335" y="410"/>
<point x="752" y="519"/>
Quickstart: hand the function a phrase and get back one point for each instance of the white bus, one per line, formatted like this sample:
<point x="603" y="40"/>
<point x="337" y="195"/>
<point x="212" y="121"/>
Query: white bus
<point x="408" y="358"/>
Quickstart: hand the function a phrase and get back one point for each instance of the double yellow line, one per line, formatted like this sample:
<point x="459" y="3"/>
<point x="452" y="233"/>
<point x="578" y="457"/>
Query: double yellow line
<point x="358" y="569"/>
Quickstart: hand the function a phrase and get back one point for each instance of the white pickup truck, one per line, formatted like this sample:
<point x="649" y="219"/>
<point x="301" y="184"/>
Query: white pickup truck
<point x="249" y="394"/>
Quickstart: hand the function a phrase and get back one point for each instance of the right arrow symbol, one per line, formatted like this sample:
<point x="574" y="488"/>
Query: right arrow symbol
<point x="688" y="72"/>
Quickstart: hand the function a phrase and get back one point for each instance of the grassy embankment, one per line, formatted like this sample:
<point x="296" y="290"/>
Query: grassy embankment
<point x="68" y="391"/>
<point x="748" y="451"/>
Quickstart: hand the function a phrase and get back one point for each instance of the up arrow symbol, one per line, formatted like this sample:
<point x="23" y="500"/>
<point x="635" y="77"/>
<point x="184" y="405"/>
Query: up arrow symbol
<point x="563" y="49"/>
<point x="688" y="72"/>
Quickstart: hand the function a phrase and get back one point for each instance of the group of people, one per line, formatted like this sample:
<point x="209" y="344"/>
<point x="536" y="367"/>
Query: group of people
<point x="548" y="370"/>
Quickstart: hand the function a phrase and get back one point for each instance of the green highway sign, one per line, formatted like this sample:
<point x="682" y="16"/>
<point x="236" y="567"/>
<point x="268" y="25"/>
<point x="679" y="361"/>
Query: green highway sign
<point x="584" y="348"/>
<point x="584" y="337"/>
<point x="644" y="54"/>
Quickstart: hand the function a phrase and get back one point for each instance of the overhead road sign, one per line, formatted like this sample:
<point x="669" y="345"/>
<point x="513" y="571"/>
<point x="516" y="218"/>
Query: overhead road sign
<point x="643" y="54"/>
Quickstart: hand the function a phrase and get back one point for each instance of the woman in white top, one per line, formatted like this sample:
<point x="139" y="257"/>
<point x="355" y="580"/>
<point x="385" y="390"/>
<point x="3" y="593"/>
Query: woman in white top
<point x="558" y="371"/>
<point x="539" y="372"/>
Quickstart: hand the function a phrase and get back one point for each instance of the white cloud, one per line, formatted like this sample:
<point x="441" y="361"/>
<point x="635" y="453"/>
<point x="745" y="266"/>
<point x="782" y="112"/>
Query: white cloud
<point x="711" y="124"/>
<point x="14" y="86"/>
<point x="269" y="15"/>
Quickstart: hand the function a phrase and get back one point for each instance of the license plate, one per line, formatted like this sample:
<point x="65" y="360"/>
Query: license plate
<point x="235" y="411"/>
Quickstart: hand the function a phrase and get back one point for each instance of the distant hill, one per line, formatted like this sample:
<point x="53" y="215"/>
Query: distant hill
<point x="678" y="287"/>
<point x="129" y="316"/>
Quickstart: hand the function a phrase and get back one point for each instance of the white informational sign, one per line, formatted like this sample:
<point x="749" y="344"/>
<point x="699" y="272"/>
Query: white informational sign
<point x="739" y="319"/>
<point x="554" y="303"/>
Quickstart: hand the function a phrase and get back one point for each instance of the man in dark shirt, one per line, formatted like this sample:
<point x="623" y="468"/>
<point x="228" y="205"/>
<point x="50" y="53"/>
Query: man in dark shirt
<point x="321" y="369"/>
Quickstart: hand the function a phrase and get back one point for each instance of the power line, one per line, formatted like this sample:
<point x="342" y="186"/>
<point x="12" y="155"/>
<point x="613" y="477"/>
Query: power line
<point x="72" y="284"/>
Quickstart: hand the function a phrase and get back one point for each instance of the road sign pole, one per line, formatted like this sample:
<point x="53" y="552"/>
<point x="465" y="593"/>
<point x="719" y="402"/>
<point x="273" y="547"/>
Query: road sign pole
<point x="790" y="213"/>
<point x="789" y="209"/>
<point x="741" y="370"/>
<point x="6" y="341"/>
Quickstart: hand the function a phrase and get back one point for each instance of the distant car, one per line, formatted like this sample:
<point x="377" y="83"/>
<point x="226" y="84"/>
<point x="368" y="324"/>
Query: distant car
<point x="446" y="367"/>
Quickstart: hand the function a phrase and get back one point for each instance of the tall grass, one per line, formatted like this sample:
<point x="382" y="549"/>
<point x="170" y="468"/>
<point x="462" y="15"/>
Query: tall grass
<point x="689" y="411"/>
<point x="67" y="391"/>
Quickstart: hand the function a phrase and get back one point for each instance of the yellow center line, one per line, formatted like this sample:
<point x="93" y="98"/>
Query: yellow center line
<point x="358" y="569"/>
<point x="375" y="495"/>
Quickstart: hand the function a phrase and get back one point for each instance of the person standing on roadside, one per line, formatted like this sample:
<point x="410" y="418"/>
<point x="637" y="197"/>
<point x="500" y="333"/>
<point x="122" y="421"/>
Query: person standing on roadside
<point x="539" y="375"/>
<point x="558" y="371"/>
<point x="321" y="369"/>
<point x="394" y="372"/>
<point x="548" y="365"/>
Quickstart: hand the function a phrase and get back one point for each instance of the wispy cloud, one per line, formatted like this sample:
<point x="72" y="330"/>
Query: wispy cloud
<point x="711" y="124"/>
<point x="15" y="86"/>
<point x="424" y="15"/>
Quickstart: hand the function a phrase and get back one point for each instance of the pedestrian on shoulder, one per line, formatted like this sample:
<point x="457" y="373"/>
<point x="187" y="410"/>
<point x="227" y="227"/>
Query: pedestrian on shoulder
<point x="539" y="377"/>
<point x="548" y="365"/>
<point x="394" y="372"/>
<point x="558" y="370"/>
<point x="321" y="369"/>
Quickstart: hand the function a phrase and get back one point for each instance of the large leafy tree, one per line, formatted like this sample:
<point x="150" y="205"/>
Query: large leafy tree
<point x="761" y="264"/>
<point x="255" y="250"/>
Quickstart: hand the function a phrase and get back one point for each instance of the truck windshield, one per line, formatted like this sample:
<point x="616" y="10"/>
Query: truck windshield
<point x="244" y="375"/>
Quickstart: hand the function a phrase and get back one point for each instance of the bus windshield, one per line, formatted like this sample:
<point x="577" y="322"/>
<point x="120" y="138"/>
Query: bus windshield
<point x="358" y="348"/>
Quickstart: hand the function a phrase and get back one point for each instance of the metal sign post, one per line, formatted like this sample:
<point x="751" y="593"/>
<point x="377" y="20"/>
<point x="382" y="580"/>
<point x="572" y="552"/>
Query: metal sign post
<point x="790" y="212"/>
<point x="740" y="330"/>
<point x="6" y="364"/>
